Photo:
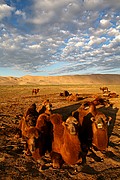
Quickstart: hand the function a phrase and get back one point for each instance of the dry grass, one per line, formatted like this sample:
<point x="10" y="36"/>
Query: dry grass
<point x="14" y="100"/>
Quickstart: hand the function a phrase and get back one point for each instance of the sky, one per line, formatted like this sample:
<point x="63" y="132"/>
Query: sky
<point x="65" y="37"/>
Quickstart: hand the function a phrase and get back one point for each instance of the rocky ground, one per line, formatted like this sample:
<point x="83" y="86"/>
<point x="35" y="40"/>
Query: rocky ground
<point x="15" y="165"/>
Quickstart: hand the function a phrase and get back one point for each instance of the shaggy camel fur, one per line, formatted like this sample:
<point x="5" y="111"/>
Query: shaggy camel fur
<point x="40" y="139"/>
<point x="65" y="141"/>
<point x="28" y="120"/>
<point x="100" y="134"/>
<point x="88" y="128"/>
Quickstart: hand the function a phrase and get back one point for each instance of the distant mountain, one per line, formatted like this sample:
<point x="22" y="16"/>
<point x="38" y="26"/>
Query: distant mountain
<point x="56" y="80"/>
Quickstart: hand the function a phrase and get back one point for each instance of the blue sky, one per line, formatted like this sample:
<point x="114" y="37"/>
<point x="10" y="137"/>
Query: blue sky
<point x="66" y="37"/>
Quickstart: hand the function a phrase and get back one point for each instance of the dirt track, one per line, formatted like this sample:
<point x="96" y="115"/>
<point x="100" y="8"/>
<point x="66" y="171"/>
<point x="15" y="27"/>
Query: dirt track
<point x="15" y="165"/>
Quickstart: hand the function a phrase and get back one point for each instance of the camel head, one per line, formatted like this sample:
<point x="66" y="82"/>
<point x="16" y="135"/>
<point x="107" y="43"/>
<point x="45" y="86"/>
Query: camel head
<point x="71" y="125"/>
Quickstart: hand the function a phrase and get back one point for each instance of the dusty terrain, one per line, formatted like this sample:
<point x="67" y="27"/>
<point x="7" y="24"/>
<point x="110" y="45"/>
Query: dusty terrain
<point x="14" y="165"/>
<point x="58" y="80"/>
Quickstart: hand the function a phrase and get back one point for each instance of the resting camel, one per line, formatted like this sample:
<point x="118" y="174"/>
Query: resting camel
<point x="66" y="146"/>
<point x="85" y="115"/>
<point x="100" y="134"/>
<point x="30" y="117"/>
<point x="40" y="139"/>
<point x="28" y="120"/>
<point x="113" y="95"/>
<point x="86" y="108"/>
<point x="72" y="97"/>
<point x="101" y="101"/>
<point x="104" y="89"/>
<point x="65" y="93"/>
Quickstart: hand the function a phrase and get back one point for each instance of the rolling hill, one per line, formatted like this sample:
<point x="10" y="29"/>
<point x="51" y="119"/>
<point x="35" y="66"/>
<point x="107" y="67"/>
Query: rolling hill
<point x="66" y="79"/>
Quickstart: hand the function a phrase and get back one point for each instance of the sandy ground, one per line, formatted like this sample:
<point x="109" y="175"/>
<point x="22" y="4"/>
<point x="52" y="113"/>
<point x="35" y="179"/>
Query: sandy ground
<point x="68" y="79"/>
<point x="15" y="165"/>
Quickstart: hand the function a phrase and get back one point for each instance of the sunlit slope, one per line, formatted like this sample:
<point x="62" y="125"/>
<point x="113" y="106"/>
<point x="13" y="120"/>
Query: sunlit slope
<point x="73" y="79"/>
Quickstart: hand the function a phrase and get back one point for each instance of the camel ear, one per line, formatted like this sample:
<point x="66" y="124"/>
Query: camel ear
<point x="23" y="118"/>
<point x="92" y="119"/>
<point x="64" y="124"/>
<point x="36" y="134"/>
<point x="43" y="103"/>
<point x="109" y="119"/>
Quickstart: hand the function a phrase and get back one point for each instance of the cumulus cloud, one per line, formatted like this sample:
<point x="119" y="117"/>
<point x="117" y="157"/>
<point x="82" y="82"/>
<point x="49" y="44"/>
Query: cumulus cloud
<point x="113" y="32"/>
<point x="61" y="11"/>
<point x="92" y="4"/>
<point x="104" y="23"/>
<point x="5" y="11"/>
<point x="94" y="40"/>
<point x="60" y="37"/>
<point x="20" y="13"/>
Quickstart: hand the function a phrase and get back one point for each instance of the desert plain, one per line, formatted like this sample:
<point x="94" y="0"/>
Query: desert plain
<point x="15" y="98"/>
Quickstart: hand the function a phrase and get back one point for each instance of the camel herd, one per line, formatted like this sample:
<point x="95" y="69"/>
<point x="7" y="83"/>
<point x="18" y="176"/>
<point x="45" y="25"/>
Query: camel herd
<point x="75" y="97"/>
<point x="108" y="93"/>
<point x="66" y="141"/>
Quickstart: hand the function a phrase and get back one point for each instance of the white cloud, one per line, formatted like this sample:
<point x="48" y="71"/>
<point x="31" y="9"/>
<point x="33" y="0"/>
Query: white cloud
<point x="56" y="11"/>
<point x="79" y="44"/>
<point x="5" y="11"/>
<point x="74" y="35"/>
<point x="98" y="32"/>
<point x="94" y="40"/>
<point x="99" y="4"/>
<point x="92" y="4"/>
<point x="113" y="32"/>
<point x="105" y="23"/>
<point x="35" y="46"/>
<point x="20" y="13"/>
